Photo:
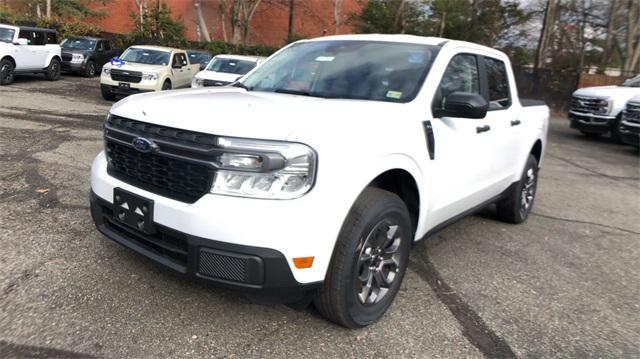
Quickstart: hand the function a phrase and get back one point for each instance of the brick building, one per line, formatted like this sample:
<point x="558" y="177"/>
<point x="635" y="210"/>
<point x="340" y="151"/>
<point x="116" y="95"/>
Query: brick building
<point x="269" y="25"/>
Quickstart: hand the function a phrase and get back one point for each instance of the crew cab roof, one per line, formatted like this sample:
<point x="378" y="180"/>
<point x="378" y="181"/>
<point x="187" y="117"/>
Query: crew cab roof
<point x="154" y="47"/>
<point x="241" y="57"/>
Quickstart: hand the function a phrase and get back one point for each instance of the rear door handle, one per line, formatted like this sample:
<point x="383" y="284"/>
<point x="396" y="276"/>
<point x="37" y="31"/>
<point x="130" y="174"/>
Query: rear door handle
<point x="515" y="122"/>
<point x="484" y="128"/>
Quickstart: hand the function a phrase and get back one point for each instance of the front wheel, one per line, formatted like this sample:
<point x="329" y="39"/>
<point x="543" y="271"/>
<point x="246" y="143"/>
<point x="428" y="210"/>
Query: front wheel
<point x="52" y="72"/>
<point x="369" y="260"/>
<point x="519" y="202"/>
<point x="91" y="69"/>
<point x="166" y="85"/>
<point x="7" y="72"/>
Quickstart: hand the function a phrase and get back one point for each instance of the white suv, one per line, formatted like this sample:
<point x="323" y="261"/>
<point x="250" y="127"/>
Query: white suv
<point x="313" y="175"/>
<point x="28" y="50"/>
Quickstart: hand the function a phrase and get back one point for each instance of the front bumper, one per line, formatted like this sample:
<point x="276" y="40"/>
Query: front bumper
<point x="117" y="90"/>
<point x="255" y="270"/>
<point x="69" y="66"/>
<point x="591" y="123"/>
<point x="629" y="133"/>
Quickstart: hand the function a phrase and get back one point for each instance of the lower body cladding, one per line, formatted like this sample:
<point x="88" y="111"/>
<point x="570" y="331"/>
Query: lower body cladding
<point x="122" y="90"/>
<point x="630" y="133"/>
<point x="68" y="66"/>
<point x="591" y="124"/>
<point x="238" y="243"/>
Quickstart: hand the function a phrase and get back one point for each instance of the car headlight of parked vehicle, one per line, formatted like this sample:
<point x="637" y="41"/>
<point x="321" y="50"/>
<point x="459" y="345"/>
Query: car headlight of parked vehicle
<point x="264" y="169"/>
<point x="150" y="76"/>
<point x="196" y="82"/>
<point x="77" y="58"/>
<point x="106" y="71"/>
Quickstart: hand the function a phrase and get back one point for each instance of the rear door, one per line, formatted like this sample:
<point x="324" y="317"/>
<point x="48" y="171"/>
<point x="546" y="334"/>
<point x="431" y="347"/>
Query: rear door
<point x="505" y="145"/>
<point x="462" y="158"/>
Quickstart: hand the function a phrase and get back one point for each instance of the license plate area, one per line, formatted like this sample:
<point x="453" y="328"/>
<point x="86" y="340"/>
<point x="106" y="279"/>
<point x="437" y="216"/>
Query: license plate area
<point x="124" y="85"/>
<point x="133" y="211"/>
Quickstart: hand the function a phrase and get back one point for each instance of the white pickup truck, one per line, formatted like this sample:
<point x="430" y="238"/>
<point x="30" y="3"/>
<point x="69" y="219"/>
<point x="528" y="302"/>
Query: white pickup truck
<point x="146" y="69"/>
<point x="597" y="110"/>
<point x="312" y="177"/>
<point x="28" y="50"/>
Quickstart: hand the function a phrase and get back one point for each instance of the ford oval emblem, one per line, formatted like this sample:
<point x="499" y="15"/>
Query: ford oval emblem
<point x="143" y="145"/>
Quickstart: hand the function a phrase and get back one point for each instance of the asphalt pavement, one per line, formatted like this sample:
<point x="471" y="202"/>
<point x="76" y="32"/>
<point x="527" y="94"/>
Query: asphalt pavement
<point x="564" y="284"/>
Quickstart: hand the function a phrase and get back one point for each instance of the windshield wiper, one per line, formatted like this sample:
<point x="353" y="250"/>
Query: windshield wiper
<point x="241" y="85"/>
<point x="295" y="92"/>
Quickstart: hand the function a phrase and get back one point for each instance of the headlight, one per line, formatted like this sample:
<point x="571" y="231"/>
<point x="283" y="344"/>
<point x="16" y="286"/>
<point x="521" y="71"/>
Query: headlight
<point x="149" y="76"/>
<point x="77" y="58"/>
<point x="264" y="169"/>
<point x="196" y="82"/>
<point x="106" y="71"/>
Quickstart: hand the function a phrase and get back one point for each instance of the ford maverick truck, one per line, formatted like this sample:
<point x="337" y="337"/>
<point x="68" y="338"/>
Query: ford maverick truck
<point x="312" y="176"/>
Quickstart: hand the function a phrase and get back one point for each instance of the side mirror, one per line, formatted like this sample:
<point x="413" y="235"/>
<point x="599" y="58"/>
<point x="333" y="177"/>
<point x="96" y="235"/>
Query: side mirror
<point x="21" y="42"/>
<point x="465" y="105"/>
<point x="202" y="66"/>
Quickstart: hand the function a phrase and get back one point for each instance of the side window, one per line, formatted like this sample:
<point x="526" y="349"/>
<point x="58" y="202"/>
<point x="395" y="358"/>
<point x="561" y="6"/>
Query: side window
<point x="461" y="75"/>
<point x="106" y="45"/>
<point x="100" y="46"/>
<point x="498" y="82"/>
<point x="52" y="38"/>
<point x="31" y="36"/>
<point x="183" y="59"/>
<point x="180" y="59"/>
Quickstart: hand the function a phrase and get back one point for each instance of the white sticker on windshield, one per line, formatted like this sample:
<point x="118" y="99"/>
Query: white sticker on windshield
<point x="325" y="58"/>
<point x="394" y="94"/>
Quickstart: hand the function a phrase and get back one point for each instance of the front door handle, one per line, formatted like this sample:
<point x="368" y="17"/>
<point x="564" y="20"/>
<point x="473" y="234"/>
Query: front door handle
<point x="484" y="128"/>
<point x="515" y="122"/>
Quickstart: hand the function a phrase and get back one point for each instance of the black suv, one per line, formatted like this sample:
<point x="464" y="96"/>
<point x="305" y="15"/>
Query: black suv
<point x="86" y="55"/>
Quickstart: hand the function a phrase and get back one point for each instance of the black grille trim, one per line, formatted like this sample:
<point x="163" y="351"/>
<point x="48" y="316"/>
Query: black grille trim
<point x="126" y="76"/>
<point x="587" y="105"/>
<point x="222" y="267"/>
<point x="632" y="113"/>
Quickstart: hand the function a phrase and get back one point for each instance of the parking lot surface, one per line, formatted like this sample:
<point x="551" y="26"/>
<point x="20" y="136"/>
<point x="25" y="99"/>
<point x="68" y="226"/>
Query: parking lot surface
<point x="565" y="283"/>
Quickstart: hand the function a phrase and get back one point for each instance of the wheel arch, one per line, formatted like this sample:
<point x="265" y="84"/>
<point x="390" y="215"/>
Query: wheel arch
<point x="402" y="183"/>
<point x="536" y="151"/>
<point x="10" y="58"/>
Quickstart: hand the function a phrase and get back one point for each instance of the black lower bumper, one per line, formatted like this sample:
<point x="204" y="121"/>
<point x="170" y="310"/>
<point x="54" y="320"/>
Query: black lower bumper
<point x="591" y="124"/>
<point x="121" y="91"/>
<point x="629" y="134"/>
<point x="262" y="273"/>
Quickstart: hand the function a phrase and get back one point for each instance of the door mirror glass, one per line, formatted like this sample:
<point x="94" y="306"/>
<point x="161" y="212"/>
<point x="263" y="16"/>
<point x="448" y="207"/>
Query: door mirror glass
<point x="22" y="42"/>
<point x="465" y="105"/>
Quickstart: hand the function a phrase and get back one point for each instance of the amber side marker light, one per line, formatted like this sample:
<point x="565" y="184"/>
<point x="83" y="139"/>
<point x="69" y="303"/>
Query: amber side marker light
<point x="303" y="262"/>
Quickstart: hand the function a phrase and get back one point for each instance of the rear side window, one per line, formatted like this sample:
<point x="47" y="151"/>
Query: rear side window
<point x="51" y="38"/>
<point x="180" y="59"/>
<point x="498" y="82"/>
<point x="461" y="75"/>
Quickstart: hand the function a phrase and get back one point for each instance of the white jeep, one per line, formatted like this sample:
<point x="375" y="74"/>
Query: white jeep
<point x="28" y="50"/>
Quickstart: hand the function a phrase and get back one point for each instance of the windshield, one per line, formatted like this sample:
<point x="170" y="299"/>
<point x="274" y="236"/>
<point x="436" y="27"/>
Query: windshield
<point x="146" y="56"/>
<point x="380" y="71"/>
<point x="78" y="44"/>
<point x="6" y="35"/>
<point x="634" y="82"/>
<point x="230" y="66"/>
<point x="199" y="57"/>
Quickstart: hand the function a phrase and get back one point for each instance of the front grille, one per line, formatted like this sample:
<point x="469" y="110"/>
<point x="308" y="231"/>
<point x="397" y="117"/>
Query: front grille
<point x="173" y="178"/>
<point x="632" y="113"/>
<point x="126" y="76"/>
<point x="208" y="83"/>
<point x="592" y="105"/>
<point x="220" y="266"/>
<point x="66" y="56"/>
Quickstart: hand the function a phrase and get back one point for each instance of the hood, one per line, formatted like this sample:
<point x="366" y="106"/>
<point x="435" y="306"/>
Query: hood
<point x="217" y="76"/>
<point x="134" y="67"/>
<point x="608" y="91"/>
<point x="635" y="99"/>
<point x="230" y="111"/>
<point x="74" y="51"/>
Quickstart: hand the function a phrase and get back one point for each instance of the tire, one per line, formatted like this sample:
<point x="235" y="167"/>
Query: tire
<point x="376" y="231"/>
<point x="517" y="206"/>
<point x="107" y="94"/>
<point x="91" y="69"/>
<point x="166" y="85"/>
<point x="7" y="72"/>
<point x="591" y="134"/>
<point x="52" y="73"/>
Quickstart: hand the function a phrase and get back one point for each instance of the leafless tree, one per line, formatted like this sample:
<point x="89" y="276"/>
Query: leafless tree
<point x="202" y="24"/>
<point x="548" y="25"/>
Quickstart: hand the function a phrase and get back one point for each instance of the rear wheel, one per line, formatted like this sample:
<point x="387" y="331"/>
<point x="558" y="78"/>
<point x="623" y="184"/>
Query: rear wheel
<point x="91" y="69"/>
<point x="368" y="262"/>
<point x="517" y="206"/>
<point x="7" y="72"/>
<point x="52" y="72"/>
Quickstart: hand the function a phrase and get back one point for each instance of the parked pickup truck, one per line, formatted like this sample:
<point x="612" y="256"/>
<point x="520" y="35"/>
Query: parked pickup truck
<point x="86" y="55"/>
<point x="225" y="69"/>
<point x="630" y="124"/>
<point x="28" y="50"/>
<point x="595" y="111"/>
<point x="146" y="69"/>
<point x="312" y="176"/>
